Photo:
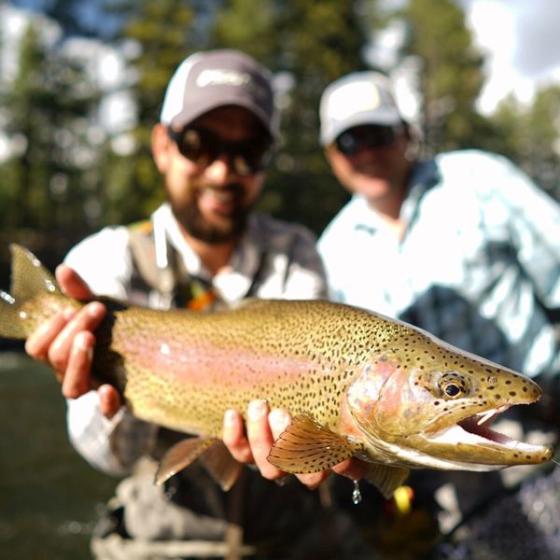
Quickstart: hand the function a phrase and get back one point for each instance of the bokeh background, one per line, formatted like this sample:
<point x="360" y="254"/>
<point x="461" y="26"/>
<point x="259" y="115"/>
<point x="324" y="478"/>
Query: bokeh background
<point x="81" y="82"/>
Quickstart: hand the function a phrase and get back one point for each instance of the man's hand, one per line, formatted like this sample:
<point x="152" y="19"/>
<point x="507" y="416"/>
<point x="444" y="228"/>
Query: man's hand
<point x="66" y="343"/>
<point x="263" y="427"/>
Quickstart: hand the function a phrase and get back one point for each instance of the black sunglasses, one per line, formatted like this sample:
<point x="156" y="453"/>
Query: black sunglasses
<point x="351" y="141"/>
<point x="202" y="147"/>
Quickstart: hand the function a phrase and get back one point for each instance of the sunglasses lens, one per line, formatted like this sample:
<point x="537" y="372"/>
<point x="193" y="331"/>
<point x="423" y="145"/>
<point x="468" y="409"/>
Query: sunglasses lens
<point x="355" y="139"/>
<point x="202" y="147"/>
<point x="195" y="145"/>
<point x="250" y="156"/>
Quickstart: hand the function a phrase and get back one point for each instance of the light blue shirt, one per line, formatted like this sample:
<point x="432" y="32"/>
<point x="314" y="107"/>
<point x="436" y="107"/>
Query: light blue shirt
<point x="479" y="259"/>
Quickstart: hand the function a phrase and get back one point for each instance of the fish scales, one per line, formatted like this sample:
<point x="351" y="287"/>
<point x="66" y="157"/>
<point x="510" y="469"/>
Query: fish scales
<point x="356" y="383"/>
<point x="211" y="362"/>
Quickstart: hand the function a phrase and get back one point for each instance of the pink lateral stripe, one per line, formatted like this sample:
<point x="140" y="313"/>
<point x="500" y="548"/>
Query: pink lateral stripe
<point x="209" y="365"/>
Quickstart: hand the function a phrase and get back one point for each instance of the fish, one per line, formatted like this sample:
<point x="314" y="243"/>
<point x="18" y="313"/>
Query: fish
<point x="356" y="383"/>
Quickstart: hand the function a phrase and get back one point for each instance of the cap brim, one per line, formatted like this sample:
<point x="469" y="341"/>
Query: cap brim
<point x="382" y="118"/>
<point x="185" y="117"/>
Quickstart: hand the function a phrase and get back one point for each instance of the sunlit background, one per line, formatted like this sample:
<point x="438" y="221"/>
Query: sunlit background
<point x="81" y="82"/>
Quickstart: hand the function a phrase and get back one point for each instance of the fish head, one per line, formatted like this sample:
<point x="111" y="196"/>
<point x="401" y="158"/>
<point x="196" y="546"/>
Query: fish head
<point x="426" y="403"/>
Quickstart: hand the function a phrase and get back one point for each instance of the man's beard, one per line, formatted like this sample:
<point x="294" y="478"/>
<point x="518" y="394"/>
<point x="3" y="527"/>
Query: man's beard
<point x="194" y="223"/>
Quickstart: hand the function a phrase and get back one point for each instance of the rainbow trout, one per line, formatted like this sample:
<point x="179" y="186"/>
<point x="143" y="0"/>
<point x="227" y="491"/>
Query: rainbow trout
<point x="357" y="384"/>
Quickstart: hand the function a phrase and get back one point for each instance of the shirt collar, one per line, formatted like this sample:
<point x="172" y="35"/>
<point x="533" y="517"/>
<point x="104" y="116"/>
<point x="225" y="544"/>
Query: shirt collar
<point x="234" y="281"/>
<point x="424" y="175"/>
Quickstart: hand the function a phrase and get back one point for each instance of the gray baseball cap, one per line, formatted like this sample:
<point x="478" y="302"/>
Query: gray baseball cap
<point x="357" y="99"/>
<point x="211" y="79"/>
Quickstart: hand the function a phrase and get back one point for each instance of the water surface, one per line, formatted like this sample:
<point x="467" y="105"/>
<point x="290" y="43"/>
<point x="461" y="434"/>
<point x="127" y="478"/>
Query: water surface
<point x="49" y="495"/>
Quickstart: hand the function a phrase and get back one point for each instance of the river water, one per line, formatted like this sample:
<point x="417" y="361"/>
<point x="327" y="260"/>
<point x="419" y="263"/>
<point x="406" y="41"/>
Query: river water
<point x="49" y="496"/>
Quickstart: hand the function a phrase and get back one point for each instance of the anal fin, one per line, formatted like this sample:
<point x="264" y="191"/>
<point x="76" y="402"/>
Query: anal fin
<point x="307" y="447"/>
<point x="386" y="478"/>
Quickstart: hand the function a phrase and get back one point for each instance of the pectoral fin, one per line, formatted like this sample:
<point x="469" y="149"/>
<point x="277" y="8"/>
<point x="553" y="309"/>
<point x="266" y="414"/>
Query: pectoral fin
<point x="386" y="478"/>
<point x="307" y="447"/>
<point x="181" y="455"/>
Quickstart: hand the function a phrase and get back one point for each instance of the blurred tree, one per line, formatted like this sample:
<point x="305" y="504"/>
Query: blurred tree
<point x="75" y="17"/>
<point x="48" y="198"/>
<point x="162" y="31"/>
<point x="68" y="15"/>
<point x="51" y="101"/>
<point x="450" y="75"/>
<point x="530" y="135"/>
<point x="307" y="44"/>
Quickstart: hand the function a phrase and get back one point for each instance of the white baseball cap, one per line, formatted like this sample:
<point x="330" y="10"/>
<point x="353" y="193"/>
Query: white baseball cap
<point x="357" y="99"/>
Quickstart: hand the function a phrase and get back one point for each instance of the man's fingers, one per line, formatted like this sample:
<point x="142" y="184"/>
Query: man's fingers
<point x="38" y="343"/>
<point x="109" y="400"/>
<point x="261" y="439"/>
<point x="86" y="319"/>
<point x="351" y="468"/>
<point x="234" y="437"/>
<point x="313" y="480"/>
<point x="76" y="381"/>
<point x="263" y="428"/>
<point x="72" y="283"/>
<point x="279" y="420"/>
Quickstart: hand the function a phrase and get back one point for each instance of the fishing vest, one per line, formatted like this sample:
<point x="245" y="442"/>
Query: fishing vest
<point x="193" y="498"/>
<point x="172" y="286"/>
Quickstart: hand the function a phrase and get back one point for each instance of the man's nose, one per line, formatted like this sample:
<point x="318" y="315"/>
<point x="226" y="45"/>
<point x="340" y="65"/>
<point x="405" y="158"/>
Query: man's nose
<point x="365" y="153"/>
<point x="220" y="170"/>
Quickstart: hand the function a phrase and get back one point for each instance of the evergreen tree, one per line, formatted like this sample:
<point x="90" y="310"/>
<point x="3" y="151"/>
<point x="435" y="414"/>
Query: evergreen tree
<point x="450" y="76"/>
<point x="163" y="32"/>
<point x="50" y="103"/>
<point x="307" y="44"/>
<point x="529" y="135"/>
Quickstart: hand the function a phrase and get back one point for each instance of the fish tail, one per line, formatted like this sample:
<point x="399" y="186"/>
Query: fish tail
<point x="29" y="279"/>
<point x="10" y="323"/>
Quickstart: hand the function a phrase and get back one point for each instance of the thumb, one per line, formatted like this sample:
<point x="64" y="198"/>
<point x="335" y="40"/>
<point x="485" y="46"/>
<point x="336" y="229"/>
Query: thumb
<point x="109" y="400"/>
<point x="72" y="283"/>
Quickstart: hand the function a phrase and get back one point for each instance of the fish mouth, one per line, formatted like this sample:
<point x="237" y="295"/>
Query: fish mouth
<point x="472" y="441"/>
<point x="478" y="426"/>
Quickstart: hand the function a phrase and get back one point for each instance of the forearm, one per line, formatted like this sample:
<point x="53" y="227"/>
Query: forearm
<point x="112" y="446"/>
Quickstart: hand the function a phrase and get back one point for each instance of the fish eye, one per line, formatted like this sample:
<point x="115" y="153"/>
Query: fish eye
<point x="452" y="390"/>
<point x="452" y="385"/>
